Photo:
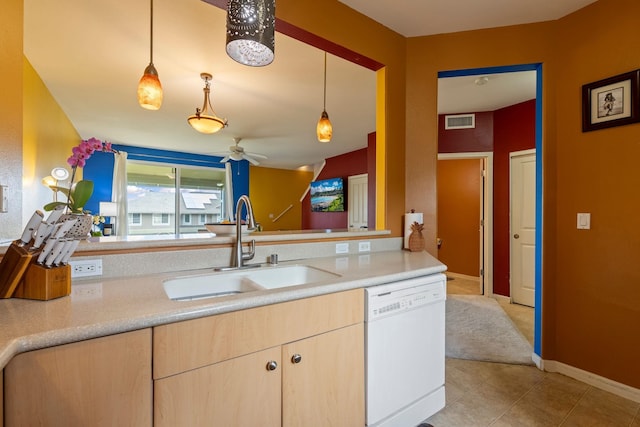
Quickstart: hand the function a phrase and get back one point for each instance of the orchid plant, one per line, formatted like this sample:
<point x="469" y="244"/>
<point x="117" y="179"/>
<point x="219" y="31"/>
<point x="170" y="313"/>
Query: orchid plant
<point x="79" y="193"/>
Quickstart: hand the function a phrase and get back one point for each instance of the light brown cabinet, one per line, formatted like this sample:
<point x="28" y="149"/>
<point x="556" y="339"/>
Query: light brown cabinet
<point x="326" y="386"/>
<point x="289" y="364"/>
<point x="99" y="382"/>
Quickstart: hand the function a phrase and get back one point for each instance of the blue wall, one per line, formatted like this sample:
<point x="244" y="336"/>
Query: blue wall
<point x="99" y="169"/>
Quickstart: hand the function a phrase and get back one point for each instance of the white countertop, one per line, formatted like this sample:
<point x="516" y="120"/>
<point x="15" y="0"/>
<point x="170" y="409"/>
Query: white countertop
<point x="98" y="308"/>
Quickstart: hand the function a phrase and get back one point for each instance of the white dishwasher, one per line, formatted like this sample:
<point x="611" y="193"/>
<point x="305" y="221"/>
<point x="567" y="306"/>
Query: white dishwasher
<point x="405" y="333"/>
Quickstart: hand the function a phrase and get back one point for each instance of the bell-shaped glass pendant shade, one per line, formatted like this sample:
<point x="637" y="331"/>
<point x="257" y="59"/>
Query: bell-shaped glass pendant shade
<point x="251" y="31"/>
<point x="150" y="89"/>
<point x="324" y="130"/>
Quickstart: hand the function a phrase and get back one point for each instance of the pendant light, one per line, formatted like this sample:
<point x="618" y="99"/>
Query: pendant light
<point x="251" y="31"/>
<point x="324" y="130"/>
<point x="149" y="87"/>
<point x="205" y="119"/>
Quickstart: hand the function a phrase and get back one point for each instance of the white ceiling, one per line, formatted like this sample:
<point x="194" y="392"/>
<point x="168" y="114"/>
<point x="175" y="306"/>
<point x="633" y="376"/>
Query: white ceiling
<point x="413" y="18"/>
<point x="91" y="54"/>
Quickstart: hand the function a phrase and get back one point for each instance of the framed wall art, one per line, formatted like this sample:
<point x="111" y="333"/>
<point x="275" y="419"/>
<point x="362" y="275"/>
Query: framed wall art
<point x="611" y="102"/>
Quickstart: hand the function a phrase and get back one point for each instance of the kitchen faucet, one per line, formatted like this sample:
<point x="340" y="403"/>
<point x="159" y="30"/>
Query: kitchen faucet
<point x="240" y="255"/>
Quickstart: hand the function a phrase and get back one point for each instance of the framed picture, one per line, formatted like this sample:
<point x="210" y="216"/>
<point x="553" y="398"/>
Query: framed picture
<point x="611" y="102"/>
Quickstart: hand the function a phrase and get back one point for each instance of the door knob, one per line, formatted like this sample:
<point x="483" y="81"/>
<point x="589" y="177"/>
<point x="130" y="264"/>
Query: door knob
<point x="516" y="236"/>
<point x="296" y="358"/>
<point x="272" y="365"/>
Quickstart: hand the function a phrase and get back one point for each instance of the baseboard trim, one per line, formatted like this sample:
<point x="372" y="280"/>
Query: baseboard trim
<point x="462" y="276"/>
<point x="590" y="378"/>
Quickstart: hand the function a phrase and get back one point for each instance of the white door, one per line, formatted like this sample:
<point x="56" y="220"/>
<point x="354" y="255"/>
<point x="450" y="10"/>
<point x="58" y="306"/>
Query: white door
<point x="523" y="226"/>
<point x="357" y="203"/>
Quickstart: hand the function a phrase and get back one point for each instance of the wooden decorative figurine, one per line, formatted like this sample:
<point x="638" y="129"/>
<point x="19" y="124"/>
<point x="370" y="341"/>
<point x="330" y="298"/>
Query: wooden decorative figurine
<point x="416" y="240"/>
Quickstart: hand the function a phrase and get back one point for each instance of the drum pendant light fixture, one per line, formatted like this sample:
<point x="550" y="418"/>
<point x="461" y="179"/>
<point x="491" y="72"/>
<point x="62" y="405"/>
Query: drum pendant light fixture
<point x="205" y="119"/>
<point x="149" y="87"/>
<point x="324" y="130"/>
<point x="251" y="31"/>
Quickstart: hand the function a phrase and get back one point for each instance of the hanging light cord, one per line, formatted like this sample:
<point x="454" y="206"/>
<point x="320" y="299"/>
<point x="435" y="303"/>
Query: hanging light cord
<point x="324" y="102"/>
<point x="151" y="35"/>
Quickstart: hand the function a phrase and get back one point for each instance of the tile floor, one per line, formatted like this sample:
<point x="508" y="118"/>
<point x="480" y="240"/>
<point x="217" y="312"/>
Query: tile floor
<point x="501" y="395"/>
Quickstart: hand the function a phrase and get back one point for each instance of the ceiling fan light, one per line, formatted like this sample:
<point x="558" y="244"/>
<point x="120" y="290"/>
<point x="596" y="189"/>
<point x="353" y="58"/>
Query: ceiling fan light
<point x="150" y="89"/>
<point x="202" y="121"/>
<point x="324" y="130"/>
<point x="251" y="31"/>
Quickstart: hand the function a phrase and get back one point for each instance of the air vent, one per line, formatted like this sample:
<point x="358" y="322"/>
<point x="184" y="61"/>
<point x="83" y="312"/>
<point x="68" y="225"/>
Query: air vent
<point x="460" y="121"/>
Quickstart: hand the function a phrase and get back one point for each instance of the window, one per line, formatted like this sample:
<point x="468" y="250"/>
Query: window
<point x="172" y="199"/>
<point x="135" y="219"/>
<point x="160" y="219"/>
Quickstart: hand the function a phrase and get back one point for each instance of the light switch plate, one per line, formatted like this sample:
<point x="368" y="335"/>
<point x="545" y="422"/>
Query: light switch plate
<point x="584" y="221"/>
<point x="4" y="198"/>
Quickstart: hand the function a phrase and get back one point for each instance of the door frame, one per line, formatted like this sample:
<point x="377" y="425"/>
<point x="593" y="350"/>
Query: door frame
<point x="486" y="205"/>
<point x="537" y="67"/>
<point x="512" y="155"/>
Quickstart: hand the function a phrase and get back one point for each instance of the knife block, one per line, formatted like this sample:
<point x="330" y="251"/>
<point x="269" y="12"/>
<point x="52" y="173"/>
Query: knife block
<point x="12" y="268"/>
<point x="44" y="284"/>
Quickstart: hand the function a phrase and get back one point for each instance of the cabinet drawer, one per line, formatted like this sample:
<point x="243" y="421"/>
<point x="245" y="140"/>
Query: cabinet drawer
<point x="181" y="346"/>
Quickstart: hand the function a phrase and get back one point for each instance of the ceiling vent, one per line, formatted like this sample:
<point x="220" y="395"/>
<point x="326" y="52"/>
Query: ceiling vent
<point x="460" y="121"/>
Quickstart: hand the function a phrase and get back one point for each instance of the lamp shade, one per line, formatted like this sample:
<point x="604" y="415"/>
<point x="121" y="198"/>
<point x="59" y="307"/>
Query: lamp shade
<point x="251" y="31"/>
<point x="108" y="209"/>
<point x="205" y="123"/>
<point x="324" y="130"/>
<point x="150" y="89"/>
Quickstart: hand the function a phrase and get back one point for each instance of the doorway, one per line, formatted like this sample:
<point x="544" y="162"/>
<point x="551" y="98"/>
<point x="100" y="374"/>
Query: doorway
<point x="471" y="175"/>
<point x="537" y="69"/>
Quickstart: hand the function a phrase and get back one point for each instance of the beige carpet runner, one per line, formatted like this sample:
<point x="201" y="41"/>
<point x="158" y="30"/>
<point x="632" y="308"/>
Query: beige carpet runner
<point x="477" y="328"/>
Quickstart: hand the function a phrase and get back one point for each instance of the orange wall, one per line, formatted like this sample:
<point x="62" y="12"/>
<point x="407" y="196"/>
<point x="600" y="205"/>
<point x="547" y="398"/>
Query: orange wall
<point x="591" y="297"/>
<point x="272" y="191"/>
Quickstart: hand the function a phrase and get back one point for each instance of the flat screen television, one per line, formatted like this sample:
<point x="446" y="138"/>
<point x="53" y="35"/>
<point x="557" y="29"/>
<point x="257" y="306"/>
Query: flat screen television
<point x="327" y="195"/>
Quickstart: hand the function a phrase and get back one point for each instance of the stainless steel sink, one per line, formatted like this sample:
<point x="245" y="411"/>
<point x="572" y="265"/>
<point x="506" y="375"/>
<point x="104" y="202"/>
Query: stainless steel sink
<point x="239" y="281"/>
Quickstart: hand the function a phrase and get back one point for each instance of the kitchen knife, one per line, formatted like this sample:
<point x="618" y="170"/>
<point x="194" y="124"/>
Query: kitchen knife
<point x="53" y="254"/>
<point x="63" y="251"/>
<point x="31" y="226"/>
<point x="55" y="214"/>
<point x="70" y="251"/>
<point x="60" y="229"/>
<point x="42" y="232"/>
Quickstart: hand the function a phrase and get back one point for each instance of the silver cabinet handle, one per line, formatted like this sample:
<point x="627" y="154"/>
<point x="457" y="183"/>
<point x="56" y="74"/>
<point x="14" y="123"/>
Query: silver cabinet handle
<point x="516" y="236"/>
<point x="272" y="365"/>
<point x="296" y="358"/>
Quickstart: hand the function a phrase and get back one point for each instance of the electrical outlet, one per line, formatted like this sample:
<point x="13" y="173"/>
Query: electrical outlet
<point x="364" y="246"/>
<point x="342" y="248"/>
<point x="86" y="268"/>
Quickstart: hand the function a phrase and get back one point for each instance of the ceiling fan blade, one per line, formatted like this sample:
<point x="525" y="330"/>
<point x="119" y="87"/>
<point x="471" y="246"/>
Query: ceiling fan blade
<point x="251" y="160"/>
<point x="259" y="156"/>
<point x="225" y="159"/>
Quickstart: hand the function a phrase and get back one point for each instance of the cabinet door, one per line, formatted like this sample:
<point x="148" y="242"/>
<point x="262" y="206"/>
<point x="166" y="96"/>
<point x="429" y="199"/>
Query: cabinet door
<point x="99" y="382"/>
<point x="326" y="386"/>
<point x="236" y="392"/>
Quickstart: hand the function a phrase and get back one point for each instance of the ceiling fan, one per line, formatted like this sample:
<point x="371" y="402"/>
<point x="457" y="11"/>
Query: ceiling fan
<point x="237" y="153"/>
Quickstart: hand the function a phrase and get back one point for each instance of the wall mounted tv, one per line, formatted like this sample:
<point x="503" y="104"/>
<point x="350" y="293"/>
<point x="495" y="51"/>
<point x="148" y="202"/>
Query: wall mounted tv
<point x="327" y="195"/>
